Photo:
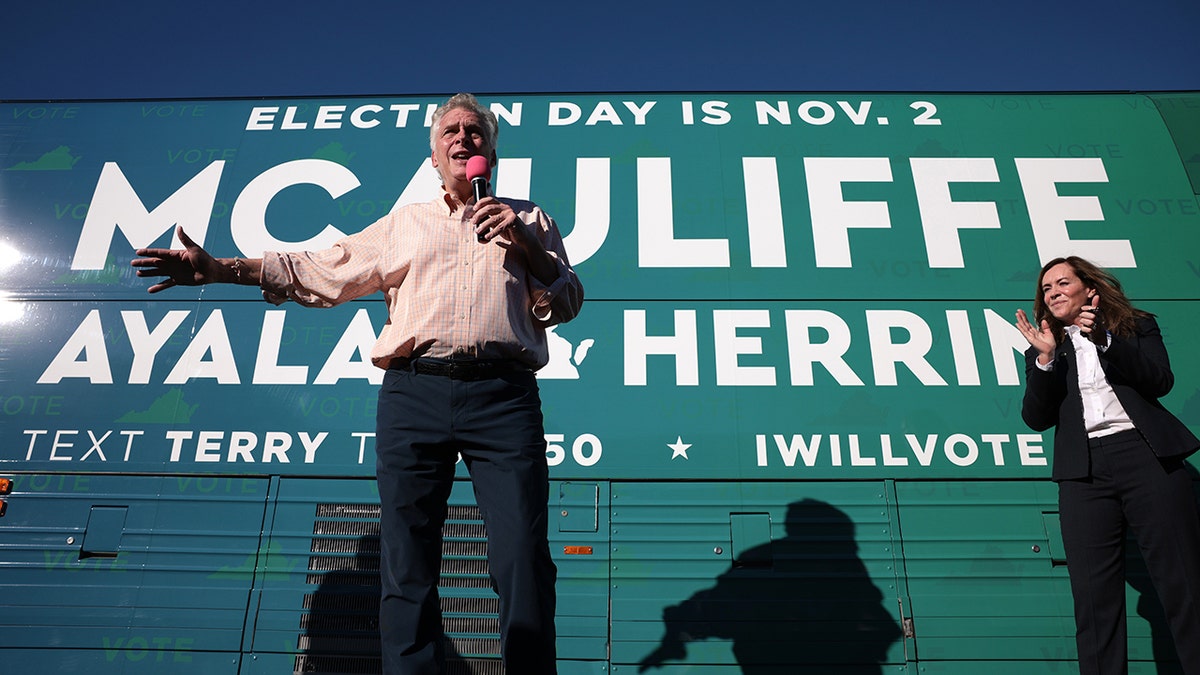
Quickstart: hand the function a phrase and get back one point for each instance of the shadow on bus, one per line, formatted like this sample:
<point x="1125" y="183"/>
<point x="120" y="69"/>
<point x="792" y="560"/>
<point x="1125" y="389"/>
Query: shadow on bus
<point x="803" y="603"/>
<point x="339" y="629"/>
<point x="1149" y="607"/>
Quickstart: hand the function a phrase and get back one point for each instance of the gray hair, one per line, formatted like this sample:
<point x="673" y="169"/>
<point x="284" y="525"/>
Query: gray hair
<point x="491" y="127"/>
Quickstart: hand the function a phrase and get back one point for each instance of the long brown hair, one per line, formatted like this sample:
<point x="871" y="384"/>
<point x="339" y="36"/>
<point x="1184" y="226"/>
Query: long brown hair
<point x="1118" y="313"/>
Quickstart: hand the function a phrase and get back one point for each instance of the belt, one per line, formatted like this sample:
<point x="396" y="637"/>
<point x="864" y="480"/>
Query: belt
<point x="473" y="369"/>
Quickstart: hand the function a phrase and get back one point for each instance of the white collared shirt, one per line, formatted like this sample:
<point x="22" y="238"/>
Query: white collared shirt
<point x="1102" y="412"/>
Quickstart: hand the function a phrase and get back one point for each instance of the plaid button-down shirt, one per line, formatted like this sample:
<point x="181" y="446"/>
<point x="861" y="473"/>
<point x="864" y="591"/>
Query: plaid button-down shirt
<point x="448" y="296"/>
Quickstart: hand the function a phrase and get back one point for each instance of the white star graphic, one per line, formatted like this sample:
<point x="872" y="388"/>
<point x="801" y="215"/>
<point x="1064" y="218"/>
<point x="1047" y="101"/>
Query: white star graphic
<point x="679" y="447"/>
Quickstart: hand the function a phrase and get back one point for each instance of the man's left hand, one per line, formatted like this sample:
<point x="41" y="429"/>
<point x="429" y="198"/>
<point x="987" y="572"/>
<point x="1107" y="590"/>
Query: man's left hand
<point x="493" y="218"/>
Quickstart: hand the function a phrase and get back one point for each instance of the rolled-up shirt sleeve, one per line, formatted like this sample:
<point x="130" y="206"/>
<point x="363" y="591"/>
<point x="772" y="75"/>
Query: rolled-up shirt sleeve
<point x="347" y="270"/>
<point x="561" y="300"/>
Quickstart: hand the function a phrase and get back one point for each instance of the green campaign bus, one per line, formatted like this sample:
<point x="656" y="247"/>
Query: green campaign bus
<point x="784" y="435"/>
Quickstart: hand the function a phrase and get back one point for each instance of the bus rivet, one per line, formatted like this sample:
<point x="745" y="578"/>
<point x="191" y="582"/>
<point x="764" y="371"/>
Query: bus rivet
<point x="718" y="550"/>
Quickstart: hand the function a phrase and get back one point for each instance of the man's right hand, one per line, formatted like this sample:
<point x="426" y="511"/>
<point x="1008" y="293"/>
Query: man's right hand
<point x="192" y="266"/>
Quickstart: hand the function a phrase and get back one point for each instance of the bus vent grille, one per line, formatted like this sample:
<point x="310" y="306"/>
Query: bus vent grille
<point x="468" y="624"/>
<point x="347" y="527"/>
<point x="448" y="581"/>
<point x="357" y="563"/>
<point x="464" y="565"/>
<point x="474" y="646"/>
<point x="346" y="602"/>
<point x="339" y="624"/>
<point x="336" y="665"/>
<point x="369" y="544"/>
<point x="315" y="645"/>
<point x="466" y="605"/>
<point x="349" y="603"/>
<point x="460" y="547"/>
<point x="370" y="579"/>
<point x="324" y="623"/>
<point x="348" y="511"/>
<point x="460" y="530"/>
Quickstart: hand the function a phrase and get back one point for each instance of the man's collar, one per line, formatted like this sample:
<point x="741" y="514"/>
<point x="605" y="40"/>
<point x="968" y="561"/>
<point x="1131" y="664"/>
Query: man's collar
<point x="451" y="201"/>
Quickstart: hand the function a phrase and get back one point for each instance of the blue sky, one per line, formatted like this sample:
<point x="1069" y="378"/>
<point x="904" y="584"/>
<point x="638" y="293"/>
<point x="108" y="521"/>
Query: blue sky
<point x="154" y="49"/>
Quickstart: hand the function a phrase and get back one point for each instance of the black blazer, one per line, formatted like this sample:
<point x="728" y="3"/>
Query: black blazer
<point x="1139" y="371"/>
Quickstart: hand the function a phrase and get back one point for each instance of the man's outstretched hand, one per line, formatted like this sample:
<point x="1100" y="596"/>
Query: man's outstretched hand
<point x="191" y="266"/>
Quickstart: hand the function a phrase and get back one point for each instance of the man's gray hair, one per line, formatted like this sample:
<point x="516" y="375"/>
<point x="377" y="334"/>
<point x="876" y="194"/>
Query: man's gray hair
<point x="491" y="128"/>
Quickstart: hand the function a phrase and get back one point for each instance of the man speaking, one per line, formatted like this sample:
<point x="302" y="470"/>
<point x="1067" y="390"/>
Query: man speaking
<point x="471" y="286"/>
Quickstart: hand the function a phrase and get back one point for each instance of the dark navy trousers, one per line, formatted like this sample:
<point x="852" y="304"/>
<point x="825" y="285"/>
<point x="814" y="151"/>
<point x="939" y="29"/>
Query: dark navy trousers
<point x="1130" y="487"/>
<point x="424" y="422"/>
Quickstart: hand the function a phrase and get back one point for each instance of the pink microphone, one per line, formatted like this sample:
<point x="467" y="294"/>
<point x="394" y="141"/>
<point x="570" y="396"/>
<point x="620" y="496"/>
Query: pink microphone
<point x="478" y="172"/>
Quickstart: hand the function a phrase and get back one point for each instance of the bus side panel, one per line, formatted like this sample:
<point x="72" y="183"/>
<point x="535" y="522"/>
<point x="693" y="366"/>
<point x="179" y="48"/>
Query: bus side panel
<point x="985" y="571"/>
<point x="754" y="575"/>
<point x="126" y="566"/>
<point x="138" y="656"/>
<point x="987" y="577"/>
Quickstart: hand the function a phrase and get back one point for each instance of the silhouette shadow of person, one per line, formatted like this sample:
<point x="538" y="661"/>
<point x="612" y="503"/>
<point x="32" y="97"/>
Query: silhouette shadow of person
<point x="341" y="624"/>
<point x="804" y="601"/>
<point x="1149" y="607"/>
<point x="339" y="632"/>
